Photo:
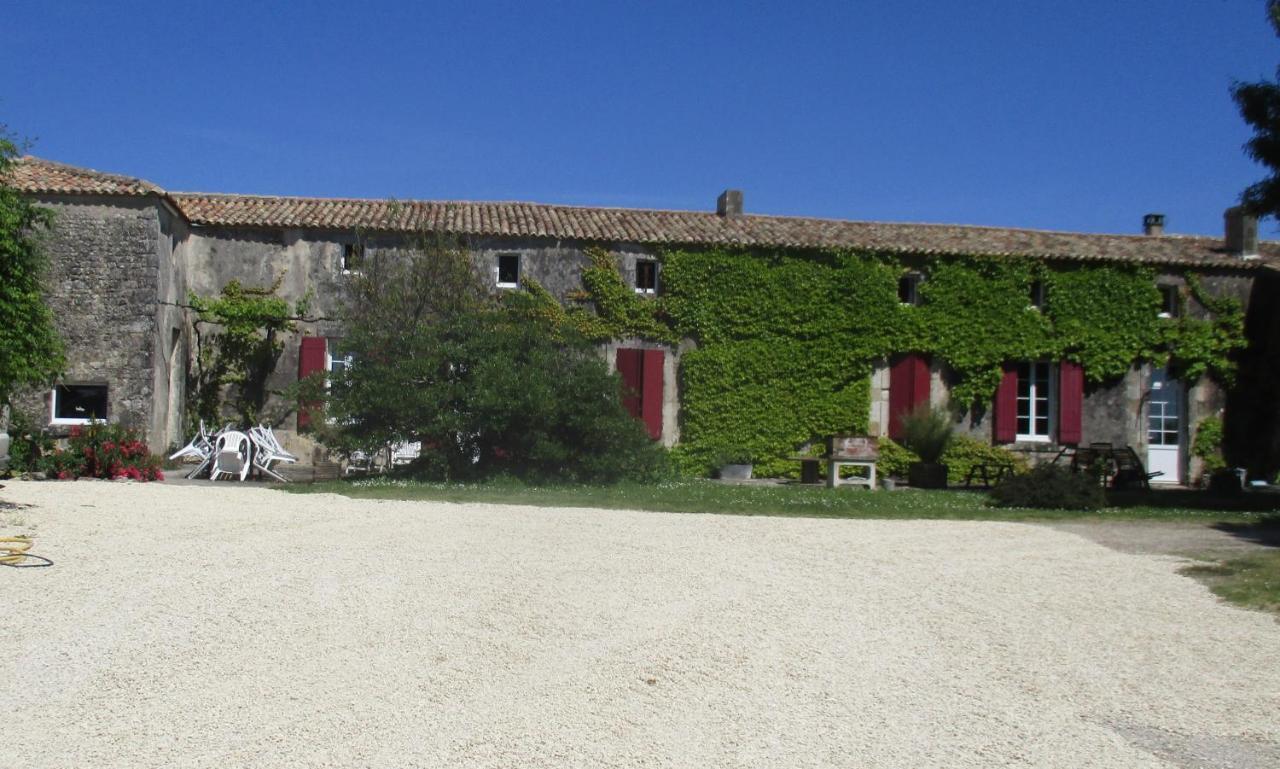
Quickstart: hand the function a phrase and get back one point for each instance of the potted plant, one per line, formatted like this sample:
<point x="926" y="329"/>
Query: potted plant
<point x="735" y="465"/>
<point x="926" y="431"/>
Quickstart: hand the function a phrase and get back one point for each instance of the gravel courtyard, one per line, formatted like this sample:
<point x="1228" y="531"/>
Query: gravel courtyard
<point x="190" y="626"/>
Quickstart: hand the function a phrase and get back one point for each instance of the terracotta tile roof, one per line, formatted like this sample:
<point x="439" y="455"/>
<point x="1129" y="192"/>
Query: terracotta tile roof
<point x="39" y="176"/>
<point x="641" y="226"/>
<point x="534" y="220"/>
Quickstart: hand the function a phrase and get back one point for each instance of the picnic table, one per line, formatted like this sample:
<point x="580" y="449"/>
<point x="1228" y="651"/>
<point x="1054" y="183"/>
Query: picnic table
<point x="1117" y="466"/>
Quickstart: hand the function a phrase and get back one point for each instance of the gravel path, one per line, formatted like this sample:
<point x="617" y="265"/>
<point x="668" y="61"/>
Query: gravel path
<point x="197" y="627"/>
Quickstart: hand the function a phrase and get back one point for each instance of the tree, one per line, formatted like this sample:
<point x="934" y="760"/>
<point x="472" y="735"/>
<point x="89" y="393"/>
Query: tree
<point x="1259" y="104"/>
<point x="31" y="351"/>
<point x="488" y="385"/>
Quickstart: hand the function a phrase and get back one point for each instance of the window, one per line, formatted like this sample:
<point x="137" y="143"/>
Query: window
<point x="77" y="404"/>
<point x="1036" y="396"/>
<point x="508" y="270"/>
<point x="335" y="358"/>
<point x="1037" y="294"/>
<point x="909" y="288"/>
<point x="646" y="276"/>
<point x="1170" y="301"/>
<point x="352" y="257"/>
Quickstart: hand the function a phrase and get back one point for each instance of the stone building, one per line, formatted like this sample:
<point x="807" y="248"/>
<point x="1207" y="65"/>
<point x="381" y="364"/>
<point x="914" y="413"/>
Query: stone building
<point x="125" y="253"/>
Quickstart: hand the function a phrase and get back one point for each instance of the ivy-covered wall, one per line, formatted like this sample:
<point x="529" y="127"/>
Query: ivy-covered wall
<point x="786" y="341"/>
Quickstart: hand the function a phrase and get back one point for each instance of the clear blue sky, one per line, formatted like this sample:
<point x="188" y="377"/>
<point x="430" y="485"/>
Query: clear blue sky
<point x="1079" y="115"/>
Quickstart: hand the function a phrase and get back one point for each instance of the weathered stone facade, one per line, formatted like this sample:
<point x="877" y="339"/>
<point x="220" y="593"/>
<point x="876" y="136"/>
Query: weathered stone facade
<point x="123" y="264"/>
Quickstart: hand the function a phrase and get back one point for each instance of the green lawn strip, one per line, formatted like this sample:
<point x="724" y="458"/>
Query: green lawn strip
<point x="1251" y="581"/>
<point x="698" y="496"/>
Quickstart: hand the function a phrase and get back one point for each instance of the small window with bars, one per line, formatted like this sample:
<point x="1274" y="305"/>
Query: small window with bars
<point x="909" y="288"/>
<point x="1037" y="295"/>
<point x="352" y="257"/>
<point x="508" y="270"/>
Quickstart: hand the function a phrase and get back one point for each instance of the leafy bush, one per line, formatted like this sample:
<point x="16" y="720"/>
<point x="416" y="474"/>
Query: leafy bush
<point x="926" y="431"/>
<point x="965" y="452"/>
<point x="111" y="451"/>
<point x="894" y="459"/>
<point x="1051" y="487"/>
<point x="98" y="450"/>
<point x="1208" y="445"/>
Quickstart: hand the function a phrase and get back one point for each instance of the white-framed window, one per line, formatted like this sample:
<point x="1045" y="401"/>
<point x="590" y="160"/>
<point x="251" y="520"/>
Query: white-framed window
<point x="1037" y="401"/>
<point x="1170" y="301"/>
<point x="508" y="270"/>
<point x="909" y="288"/>
<point x="335" y="358"/>
<point x="646" y="276"/>
<point x="77" y="404"/>
<point x="352" y="257"/>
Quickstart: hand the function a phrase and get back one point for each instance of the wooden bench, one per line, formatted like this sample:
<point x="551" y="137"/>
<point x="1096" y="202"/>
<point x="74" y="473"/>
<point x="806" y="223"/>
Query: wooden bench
<point x="991" y="473"/>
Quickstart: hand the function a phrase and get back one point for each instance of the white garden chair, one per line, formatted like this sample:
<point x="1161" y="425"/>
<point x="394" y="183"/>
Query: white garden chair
<point x="232" y="455"/>
<point x="268" y="451"/>
<point x="405" y="453"/>
<point x="199" y="447"/>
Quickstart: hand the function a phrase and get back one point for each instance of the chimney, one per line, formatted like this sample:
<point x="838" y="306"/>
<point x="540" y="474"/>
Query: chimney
<point x="1241" y="232"/>
<point x="1153" y="224"/>
<point x="729" y="204"/>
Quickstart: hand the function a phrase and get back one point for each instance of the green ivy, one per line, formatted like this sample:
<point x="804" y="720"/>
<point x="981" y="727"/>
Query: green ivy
<point x="786" y="340"/>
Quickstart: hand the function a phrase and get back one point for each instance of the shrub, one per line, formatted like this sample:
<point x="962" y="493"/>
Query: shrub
<point x="111" y="451"/>
<point x="1207" y="445"/>
<point x="894" y="459"/>
<point x="1051" y="487"/>
<point x="926" y="431"/>
<point x="965" y="452"/>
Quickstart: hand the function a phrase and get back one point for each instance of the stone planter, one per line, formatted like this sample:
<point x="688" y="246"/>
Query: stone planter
<point x="735" y="472"/>
<point x="927" y="475"/>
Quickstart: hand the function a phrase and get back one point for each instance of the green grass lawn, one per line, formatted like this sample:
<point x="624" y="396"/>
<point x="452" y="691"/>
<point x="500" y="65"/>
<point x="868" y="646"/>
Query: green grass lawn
<point x="1252" y="581"/>
<point x="700" y="496"/>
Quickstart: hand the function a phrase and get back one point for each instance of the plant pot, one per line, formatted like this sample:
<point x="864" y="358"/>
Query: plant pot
<point x="735" y="472"/>
<point x="4" y="450"/>
<point x="927" y="475"/>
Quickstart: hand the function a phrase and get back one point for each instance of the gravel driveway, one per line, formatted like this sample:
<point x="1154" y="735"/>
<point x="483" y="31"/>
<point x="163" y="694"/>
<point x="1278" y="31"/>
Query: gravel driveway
<point x="184" y="626"/>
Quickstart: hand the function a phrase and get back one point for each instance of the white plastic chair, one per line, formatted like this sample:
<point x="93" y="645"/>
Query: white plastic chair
<point x="200" y="447"/>
<point x="267" y="451"/>
<point x="233" y="455"/>
<point x="405" y="453"/>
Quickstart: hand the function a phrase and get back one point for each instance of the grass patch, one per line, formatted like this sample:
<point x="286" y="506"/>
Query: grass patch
<point x="700" y="496"/>
<point x="1251" y="581"/>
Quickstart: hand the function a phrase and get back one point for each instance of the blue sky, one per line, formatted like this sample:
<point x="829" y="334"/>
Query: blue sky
<point x="1075" y="115"/>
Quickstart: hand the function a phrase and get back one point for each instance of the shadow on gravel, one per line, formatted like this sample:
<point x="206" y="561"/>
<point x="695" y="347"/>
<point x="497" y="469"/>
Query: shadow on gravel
<point x="1265" y="532"/>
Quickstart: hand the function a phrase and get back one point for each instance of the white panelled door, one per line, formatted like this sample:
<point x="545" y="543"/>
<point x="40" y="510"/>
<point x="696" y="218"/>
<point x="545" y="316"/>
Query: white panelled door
<point x="1164" y="428"/>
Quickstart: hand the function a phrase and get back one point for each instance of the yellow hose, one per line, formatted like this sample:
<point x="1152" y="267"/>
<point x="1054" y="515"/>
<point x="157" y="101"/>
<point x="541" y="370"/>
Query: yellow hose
<point x="14" y="549"/>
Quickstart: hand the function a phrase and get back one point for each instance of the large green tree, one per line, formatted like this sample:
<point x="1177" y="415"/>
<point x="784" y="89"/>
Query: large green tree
<point x="1259" y="104"/>
<point x="30" y="349"/>
<point x="489" y="385"/>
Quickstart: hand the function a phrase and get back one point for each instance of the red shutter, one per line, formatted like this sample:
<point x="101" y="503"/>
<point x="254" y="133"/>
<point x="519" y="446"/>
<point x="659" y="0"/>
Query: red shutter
<point x="908" y="388"/>
<point x="310" y="360"/>
<point x="1004" y="414"/>
<point x="1070" y="402"/>
<point x="651" y="392"/>
<point x="630" y="362"/>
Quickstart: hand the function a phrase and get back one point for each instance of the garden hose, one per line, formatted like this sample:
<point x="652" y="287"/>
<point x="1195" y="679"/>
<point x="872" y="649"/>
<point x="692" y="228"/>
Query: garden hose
<point x="14" y="549"/>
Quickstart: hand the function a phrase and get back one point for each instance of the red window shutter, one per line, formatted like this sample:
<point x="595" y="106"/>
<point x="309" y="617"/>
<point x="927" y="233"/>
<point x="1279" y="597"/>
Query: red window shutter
<point x="630" y="363"/>
<point x="310" y="360"/>
<point x="1005" y="409"/>
<point x="651" y="392"/>
<point x="1070" y="402"/>
<point x="908" y="388"/>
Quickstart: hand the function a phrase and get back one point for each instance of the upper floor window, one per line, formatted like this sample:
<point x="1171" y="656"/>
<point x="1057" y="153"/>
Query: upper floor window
<point x="77" y="404"/>
<point x="909" y="288"/>
<point x="1037" y="401"/>
<point x="646" y="276"/>
<point x="335" y="358"/>
<point x="352" y="257"/>
<point x="508" y="270"/>
<point x="1037" y="294"/>
<point x="1170" y="301"/>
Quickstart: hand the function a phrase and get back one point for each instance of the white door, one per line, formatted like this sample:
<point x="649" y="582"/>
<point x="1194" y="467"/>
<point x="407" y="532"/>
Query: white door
<point x="1164" y="428"/>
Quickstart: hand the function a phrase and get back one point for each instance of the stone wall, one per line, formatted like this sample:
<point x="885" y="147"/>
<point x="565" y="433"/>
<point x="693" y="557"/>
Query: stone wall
<point x="102" y="284"/>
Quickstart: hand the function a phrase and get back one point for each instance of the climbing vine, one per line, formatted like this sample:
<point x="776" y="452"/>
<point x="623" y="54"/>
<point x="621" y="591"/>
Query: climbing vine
<point x="238" y="343"/>
<point x="786" y="341"/>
